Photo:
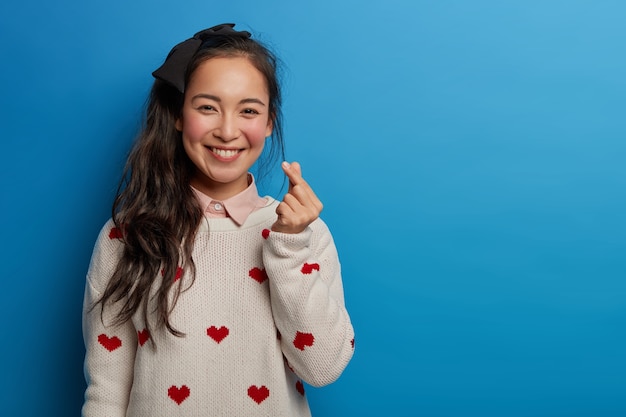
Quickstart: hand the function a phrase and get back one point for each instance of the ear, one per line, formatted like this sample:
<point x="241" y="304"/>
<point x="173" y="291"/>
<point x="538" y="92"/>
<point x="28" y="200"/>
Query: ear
<point x="178" y="124"/>
<point x="270" y="127"/>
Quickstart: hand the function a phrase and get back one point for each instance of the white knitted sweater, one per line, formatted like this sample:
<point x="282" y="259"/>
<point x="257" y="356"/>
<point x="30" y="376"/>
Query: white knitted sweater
<point x="265" y="312"/>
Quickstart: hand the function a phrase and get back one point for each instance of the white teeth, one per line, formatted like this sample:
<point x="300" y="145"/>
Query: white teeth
<point x="224" y="153"/>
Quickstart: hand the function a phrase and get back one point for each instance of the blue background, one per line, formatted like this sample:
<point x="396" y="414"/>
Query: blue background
<point x="470" y="155"/>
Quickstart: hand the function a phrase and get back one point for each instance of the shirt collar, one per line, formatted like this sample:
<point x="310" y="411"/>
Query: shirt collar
<point x="237" y="207"/>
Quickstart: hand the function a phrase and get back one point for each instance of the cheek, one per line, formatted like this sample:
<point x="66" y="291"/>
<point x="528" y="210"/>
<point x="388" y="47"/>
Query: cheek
<point x="255" y="132"/>
<point x="193" y="131"/>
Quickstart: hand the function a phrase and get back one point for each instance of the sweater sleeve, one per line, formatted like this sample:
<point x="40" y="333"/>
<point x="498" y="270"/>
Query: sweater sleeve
<point x="306" y="293"/>
<point x="110" y="350"/>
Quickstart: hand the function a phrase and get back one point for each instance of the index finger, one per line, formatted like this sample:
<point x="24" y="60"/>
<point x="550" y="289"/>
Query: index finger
<point x="293" y="172"/>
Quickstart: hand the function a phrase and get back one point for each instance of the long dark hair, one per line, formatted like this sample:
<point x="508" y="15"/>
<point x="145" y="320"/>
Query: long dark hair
<point x="155" y="207"/>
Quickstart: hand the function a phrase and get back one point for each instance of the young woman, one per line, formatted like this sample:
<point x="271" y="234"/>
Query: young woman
<point x="202" y="297"/>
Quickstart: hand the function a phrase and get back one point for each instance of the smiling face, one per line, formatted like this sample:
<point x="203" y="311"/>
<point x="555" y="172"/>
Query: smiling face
<point x="224" y="122"/>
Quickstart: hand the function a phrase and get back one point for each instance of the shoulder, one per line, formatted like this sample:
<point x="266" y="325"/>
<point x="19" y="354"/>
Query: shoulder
<point x="110" y="236"/>
<point x="105" y="256"/>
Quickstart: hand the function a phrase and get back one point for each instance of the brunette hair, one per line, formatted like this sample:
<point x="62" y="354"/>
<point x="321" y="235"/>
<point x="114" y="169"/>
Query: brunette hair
<point x="155" y="206"/>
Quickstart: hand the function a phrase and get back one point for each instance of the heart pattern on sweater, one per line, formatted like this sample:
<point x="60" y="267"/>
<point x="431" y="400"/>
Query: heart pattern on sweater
<point x="300" y="387"/>
<point x="178" y="395"/>
<point x="217" y="334"/>
<point x="258" y="394"/>
<point x="179" y="273"/>
<point x="258" y="274"/>
<point x="265" y="233"/>
<point x="115" y="233"/>
<point x="302" y="340"/>
<point x="109" y="343"/>
<point x="143" y="336"/>
<point x="309" y="268"/>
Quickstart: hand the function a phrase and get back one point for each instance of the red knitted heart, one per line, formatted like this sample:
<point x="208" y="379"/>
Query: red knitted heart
<point x="258" y="274"/>
<point x="258" y="394"/>
<point x="115" y="233"/>
<point x="265" y="233"/>
<point x="109" y="343"/>
<point x="308" y="268"/>
<point x="143" y="336"/>
<point x="217" y="334"/>
<point x="178" y="394"/>
<point x="300" y="387"/>
<point x="303" y="340"/>
<point x="179" y="273"/>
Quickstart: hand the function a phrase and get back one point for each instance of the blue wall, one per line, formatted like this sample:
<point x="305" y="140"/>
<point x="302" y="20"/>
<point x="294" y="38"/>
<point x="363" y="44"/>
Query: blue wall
<point x="470" y="155"/>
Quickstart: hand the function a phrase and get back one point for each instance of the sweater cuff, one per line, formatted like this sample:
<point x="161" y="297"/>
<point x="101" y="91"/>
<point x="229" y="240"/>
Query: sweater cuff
<point x="284" y="245"/>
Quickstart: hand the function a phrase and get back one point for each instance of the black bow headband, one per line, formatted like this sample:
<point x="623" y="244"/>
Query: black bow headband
<point x="175" y="66"/>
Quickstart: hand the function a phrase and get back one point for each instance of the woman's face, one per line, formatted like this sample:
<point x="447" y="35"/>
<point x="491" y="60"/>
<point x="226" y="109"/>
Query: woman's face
<point x="224" y="122"/>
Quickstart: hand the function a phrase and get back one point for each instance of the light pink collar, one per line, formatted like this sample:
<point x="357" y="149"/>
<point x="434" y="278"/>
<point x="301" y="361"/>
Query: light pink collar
<point x="237" y="207"/>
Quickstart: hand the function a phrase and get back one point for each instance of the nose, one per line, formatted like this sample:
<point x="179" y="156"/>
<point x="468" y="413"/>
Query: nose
<point x="228" y="129"/>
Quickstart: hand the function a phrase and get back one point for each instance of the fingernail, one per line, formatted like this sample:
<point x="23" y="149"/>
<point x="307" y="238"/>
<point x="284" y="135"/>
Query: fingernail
<point x="285" y="164"/>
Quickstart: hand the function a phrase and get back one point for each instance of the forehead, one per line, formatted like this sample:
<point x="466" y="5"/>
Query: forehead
<point x="229" y="75"/>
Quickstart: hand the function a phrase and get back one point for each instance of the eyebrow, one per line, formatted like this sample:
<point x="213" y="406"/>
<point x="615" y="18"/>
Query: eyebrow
<point x="219" y="100"/>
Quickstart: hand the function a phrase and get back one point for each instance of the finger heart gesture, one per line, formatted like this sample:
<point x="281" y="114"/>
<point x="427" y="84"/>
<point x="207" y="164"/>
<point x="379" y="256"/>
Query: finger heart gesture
<point x="300" y="206"/>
